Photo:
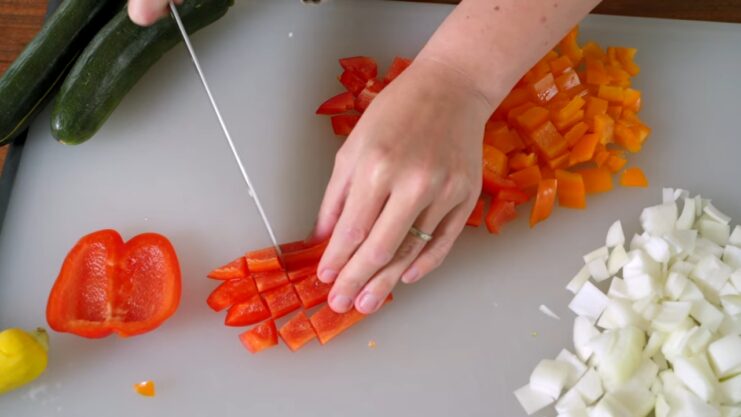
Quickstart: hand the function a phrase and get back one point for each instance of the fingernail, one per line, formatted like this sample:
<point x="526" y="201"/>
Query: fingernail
<point x="411" y="276"/>
<point x="368" y="303"/>
<point x="340" y="303"/>
<point x="327" y="275"/>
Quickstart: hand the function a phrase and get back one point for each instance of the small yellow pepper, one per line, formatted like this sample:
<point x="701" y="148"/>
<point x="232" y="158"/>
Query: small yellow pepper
<point x="23" y="357"/>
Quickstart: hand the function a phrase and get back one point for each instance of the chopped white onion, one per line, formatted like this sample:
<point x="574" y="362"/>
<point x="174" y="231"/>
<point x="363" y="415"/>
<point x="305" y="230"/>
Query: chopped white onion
<point x="704" y="247"/>
<point x="548" y="312"/>
<point x="696" y="375"/>
<point x="570" y="401"/>
<point x="598" y="270"/>
<point x="549" y="377"/>
<point x="731" y="304"/>
<point x="735" y="238"/>
<point x="579" y="279"/>
<point x="576" y="366"/>
<point x="584" y="332"/>
<point x="579" y="413"/>
<point x="617" y="289"/>
<point x="615" y="235"/>
<point x="616" y="361"/>
<point x="706" y="314"/>
<point x="609" y="406"/>
<point x="730" y="325"/>
<point x="531" y="400"/>
<point x="736" y="279"/>
<point x="641" y="286"/>
<point x="731" y="390"/>
<point x="589" y="302"/>
<point x="682" y="267"/>
<point x="618" y="258"/>
<point x="675" y="285"/>
<point x="732" y="256"/>
<point x="653" y="346"/>
<point x="687" y="218"/>
<point x="716" y="214"/>
<point x="599" y="253"/>
<point x="590" y="387"/>
<point x="714" y="231"/>
<point x="658" y="249"/>
<point x="659" y="220"/>
<point x="725" y="355"/>
<point x="640" y="263"/>
<point x="712" y="272"/>
<point x="671" y="315"/>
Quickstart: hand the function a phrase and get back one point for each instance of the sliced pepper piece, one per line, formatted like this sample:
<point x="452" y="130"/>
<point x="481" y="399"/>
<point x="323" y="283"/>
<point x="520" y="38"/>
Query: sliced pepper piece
<point x="500" y="213"/>
<point x="342" y="124"/>
<point x="297" y="332"/>
<point x="311" y="291"/>
<point x="633" y="177"/>
<point x="361" y="64"/>
<point x="569" y="46"/>
<point x="307" y="255"/>
<point x="549" y="142"/>
<point x="560" y="64"/>
<point x="338" y="104"/>
<point x="544" y="89"/>
<point x="514" y="195"/>
<point x="571" y="191"/>
<point x="522" y="160"/>
<point x="398" y="65"/>
<point x="575" y="134"/>
<point x="625" y="56"/>
<point x="281" y="300"/>
<point x="327" y="324"/>
<point x="300" y="274"/>
<point x="526" y="178"/>
<point x="232" y="292"/>
<point x="248" y="312"/>
<point x="615" y="163"/>
<point x="604" y="127"/>
<point x="569" y="82"/>
<point x="267" y="280"/>
<point x="493" y="183"/>
<point x="263" y="260"/>
<point x="477" y="215"/>
<point x="495" y="161"/>
<point x="353" y="81"/>
<point x="532" y="118"/>
<point x="596" y="180"/>
<point x="595" y="106"/>
<point x="234" y="269"/>
<point x="145" y="388"/>
<point x="613" y="94"/>
<point x="583" y="151"/>
<point x="260" y="337"/>
<point x="544" y="201"/>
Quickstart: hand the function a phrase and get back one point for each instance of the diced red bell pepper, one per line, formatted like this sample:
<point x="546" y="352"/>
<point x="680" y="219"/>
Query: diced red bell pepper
<point x="311" y="291"/>
<point x="398" y="66"/>
<point x="307" y="255"/>
<point x="477" y="215"/>
<point x="369" y="93"/>
<point x="493" y="183"/>
<point x="260" y="337"/>
<point x="234" y="269"/>
<point x="231" y="292"/>
<point x="281" y="300"/>
<point x="263" y="260"/>
<point x="500" y="213"/>
<point x="362" y="64"/>
<point x="297" y="332"/>
<point x="329" y="324"/>
<point x="514" y="195"/>
<point x="353" y="81"/>
<point x="342" y="124"/>
<point x="338" y="104"/>
<point x="107" y="286"/>
<point x="544" y="201"/>
<point x="248" y="312"/>
<point x="298" y="275"/>
<point x="267" y="280"/>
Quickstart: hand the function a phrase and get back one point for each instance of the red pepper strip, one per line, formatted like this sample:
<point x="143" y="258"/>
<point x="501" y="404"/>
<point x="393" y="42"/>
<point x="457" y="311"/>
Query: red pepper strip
<point x="268" y="280"/>
<point x="544" y="201"/>
<point x="514" y="195"/>
<point x="281" y="300"/>
<point x="301" y="274"/>
<point x="342" y="124"/>
<point x="500" y="212"/>
<point x="477" y="215"/>
<point x="263" y="260"/>
<point x="311" y="291"/>
<point x="234" y="269"/>
<point x="308" y="256"/>
<point x="292" y="246"/>
<point x="231" y="292"/>
<point x="353" y="81"/>
<point x="493" y="183"/>
<point x="260" y="337"/>
<point x="249" y="312"/>
<point x="107" y="286"/>
<point x="338" y="104"/>
<point x="362" y="64"/>
<point x="329" y="324"/>
<point x="297" y="332"/>
<point x="397" y="67"/>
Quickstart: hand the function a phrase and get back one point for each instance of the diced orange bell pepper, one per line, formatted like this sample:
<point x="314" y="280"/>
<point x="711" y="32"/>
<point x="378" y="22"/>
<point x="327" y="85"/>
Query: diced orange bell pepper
<point x="575" y="133"/>
<point x="618" y="76"/>
<point x="561" y="161"/>
<point x="521" y="160"/>
<point x="495" y="160"/>
<point x="633" y="177"/>
<point x="603" y="127"/>
<point x="560" y="64"/>
<point x="514" y="195"/>
<point x="569" y="110"/>
<point x="517" y="97"/>
<point x="596" y="72"/>
<point x="493" y="183"/>
<point x="593" y="50"/>
<point x="477" y="215"/>
<point x="571" y="190"/>
<point x="517" y="111"/>
<point x="544" y="89"/>
<point x="611" y="57"/>
<point x="614" y="112"/>
<point x="569" y="46"/>
<point x="145" y="388"/>
<point x="568" y="81"/>
<point x="632" y="99"/>
<point x="583" y="151"/>
<point x="544" y="201"/>
<point x="626" y="137"/>
<point x="615" y="163"/>
<point x="532" y="118"/>
<point x="548" y="141"/>
<point x="526" y="178"/>
<point x="611" y="93"/>
<point x="596" y="180"/>
<point x="500" y="213"/>
<point x="601" y="158"/>
<point x="540" y="69"/>
<point x="594" y="107"/>
<point x="625" y="56"/>
<point x="565" y="125"/>
<point x="502" y="138"/>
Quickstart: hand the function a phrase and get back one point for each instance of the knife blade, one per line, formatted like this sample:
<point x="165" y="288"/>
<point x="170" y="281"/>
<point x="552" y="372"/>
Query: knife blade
<point x="245" y="176"/>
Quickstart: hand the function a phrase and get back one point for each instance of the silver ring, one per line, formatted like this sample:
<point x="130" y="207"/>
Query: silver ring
<point x="420" y="234"/>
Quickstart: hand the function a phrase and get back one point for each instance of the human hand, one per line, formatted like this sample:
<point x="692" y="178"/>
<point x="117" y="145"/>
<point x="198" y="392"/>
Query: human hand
<point x="413" y="160"/>
<point x="147" y="12"/>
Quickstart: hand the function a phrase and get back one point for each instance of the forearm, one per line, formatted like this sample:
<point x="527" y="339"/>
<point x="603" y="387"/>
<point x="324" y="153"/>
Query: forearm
<point x="493" y="42"/>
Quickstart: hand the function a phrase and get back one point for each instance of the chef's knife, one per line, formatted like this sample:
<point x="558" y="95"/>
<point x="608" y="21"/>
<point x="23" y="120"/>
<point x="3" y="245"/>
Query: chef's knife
<point x="246" y="177"/>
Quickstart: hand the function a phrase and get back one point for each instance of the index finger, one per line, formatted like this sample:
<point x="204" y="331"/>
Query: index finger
<point x="147" y="12"/>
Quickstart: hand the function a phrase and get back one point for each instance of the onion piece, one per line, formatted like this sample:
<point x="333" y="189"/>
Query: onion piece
<point x="579" y="279"/>
<point x="712" y="272"/>
<point x="658" y="249"/>
<point x="675" y="285"/>
<point x="598" y="270"/>
<point x="618" y="362"/>
<point x="618" y="258"/>
<point x="659" y="220"/>
<point x="617" y="289"/>
<point x="731" y="304"/>
<point x="736" y="279"/>
<point x="687" y="219"/>
<point x="590" y="387"/>
<point x="732" y="256"/>
<point x="570" y="401"/>
<point x="714" y="231"/>
<point x="599" y="253"/>
<point x="531" y="400"/>
<point x="731" y="390"/>
<point x="584" y="332"/>
<point x="696" y="375"/>
<point x="640" y="263"/>
<point x="615" y="235"/>
<point x="716" y="214"/>
<point x="589" y="302"/>
<point x="707" y="314"/>
<point x="671" y="315"/>
<point x="725" y="355"/>
<point x="576" y="367"/>
<point x="548" y="312"/>
<point x="549" y="377"/>
<point x="735" y="238"/>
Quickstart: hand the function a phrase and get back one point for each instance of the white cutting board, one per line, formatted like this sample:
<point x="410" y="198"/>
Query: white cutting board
<point x="456" y="344"/>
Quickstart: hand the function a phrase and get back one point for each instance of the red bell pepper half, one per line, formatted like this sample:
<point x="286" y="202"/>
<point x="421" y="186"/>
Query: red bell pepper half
<point x="337" y="104"/>
<point x="364" y="65"/>
<point x="312" y="292"/>
<point x="267" y="280"/>
<point x="297" y="332"/>
<point x="342" y="124"/>
<point x="260" y="337"/>
<point x="234" y="269"/>
<point x="281" y="300"/>
<point x="248" y="312"/>
<point x="397" y="67"/>
<point x="232" y="292"/>
<point x="107" y="286"/>
<point x="263" y="260"/>
<point x="329" y="324"/>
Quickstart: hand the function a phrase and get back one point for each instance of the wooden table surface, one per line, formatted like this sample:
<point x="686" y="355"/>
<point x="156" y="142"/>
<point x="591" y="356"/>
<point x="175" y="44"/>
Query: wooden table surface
<point x="21" y="19"/>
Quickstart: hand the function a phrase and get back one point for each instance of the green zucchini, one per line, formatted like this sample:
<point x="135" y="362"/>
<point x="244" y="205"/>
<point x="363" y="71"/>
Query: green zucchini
<point x="114" y="61"/>
<point x="33" y="75"/>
